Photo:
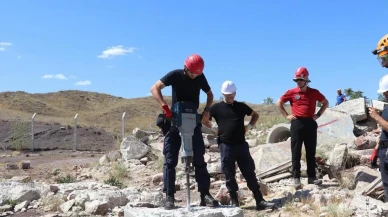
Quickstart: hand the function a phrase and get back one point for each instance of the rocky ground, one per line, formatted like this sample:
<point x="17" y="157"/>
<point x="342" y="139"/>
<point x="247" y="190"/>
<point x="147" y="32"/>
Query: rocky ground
<point x="105" y="182"/>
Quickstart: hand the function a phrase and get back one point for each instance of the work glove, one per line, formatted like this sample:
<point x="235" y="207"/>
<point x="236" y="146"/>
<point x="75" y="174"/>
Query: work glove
<point x="167" y="111"/>
<point x="248" y="127"/>
<point x="373" y="158"/>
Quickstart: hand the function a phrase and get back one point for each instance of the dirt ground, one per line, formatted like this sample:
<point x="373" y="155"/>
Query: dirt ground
<point x="43" y="163"/>
<point x="50" y="136"/>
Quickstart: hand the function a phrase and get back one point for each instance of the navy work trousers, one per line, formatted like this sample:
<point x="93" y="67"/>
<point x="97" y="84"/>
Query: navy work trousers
<point x="230" y="154"/>
<point x="303" y="130"/>
<point x="172" y="145"/>
<point x="383" y="152"/>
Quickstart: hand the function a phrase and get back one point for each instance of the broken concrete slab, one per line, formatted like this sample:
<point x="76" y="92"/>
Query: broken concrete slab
<point x="133" y="148"/>
<point x="363" y="177"/>
<point x="333" y="127"/>
<point x="379" y="105"/>
<point x="196" y="211"/>
<point x="337" y="158"/>
<point x="367" y="206"/>
<point x="355" y="107"/>
<point x="271" y="155"/>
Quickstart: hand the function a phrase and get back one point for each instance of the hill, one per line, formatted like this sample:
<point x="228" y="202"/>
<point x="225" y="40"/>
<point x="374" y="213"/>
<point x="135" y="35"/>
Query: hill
<point x="97" y="109"/>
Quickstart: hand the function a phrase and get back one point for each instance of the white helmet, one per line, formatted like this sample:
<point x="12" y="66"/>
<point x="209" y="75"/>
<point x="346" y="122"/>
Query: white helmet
<point x="383" y="84"/>
<point x="228" y="87"/>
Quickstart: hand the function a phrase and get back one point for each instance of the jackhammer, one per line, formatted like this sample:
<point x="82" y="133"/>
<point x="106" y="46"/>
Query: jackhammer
<point x="185" y="118"/>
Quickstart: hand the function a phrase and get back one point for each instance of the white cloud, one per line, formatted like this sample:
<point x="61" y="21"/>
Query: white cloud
<point x="48" y="76"/>
<point x="115" y="51"/>
<point x="60" y="76"/>
<point x="57" y="76"/>
<point x="19" y="57"/>
<point x="72" y="76"/>
<point x="3" y="45"/>
<point x="83" y="83"/>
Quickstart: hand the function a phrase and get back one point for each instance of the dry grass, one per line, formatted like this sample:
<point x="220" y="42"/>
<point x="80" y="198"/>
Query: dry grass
<point x="99" y="110"/>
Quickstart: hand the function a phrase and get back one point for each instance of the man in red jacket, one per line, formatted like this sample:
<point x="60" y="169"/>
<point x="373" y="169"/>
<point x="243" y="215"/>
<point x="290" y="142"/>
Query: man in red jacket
<point x="303" y="100"/>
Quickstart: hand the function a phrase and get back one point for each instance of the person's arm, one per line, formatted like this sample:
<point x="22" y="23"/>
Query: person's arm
<point x="323" y="108"/>
<point x="254" y="118"/>
<point x="156" y="91"/>
<point x="325" y="103"/>
<point x="280" y="106"/>
<point x="250" y="112"/>
<point x="209" y="99"/>
<point x="345" y="98"/>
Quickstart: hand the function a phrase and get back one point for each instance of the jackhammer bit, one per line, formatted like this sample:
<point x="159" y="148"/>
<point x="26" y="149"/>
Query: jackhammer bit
<point x="188" y="161"/>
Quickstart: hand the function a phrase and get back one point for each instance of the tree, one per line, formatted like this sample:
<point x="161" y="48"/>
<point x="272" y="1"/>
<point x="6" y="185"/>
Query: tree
<point x="351" y="94"/>
<point x="268" y="101"/>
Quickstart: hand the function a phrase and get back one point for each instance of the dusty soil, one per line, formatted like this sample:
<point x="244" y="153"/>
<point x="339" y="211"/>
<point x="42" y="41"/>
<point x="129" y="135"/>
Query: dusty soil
<point x="49" y="136"/>
<point x="43" y="163"/>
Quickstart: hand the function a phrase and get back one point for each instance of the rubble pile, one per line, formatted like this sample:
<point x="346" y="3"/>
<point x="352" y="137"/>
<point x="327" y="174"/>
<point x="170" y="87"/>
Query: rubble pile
<point x="346" y="137"/>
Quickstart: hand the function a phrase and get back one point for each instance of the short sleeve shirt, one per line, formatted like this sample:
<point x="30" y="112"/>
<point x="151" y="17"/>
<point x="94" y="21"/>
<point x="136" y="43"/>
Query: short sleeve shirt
<point x="303" y="104"/>
<point x="184" y="88"/>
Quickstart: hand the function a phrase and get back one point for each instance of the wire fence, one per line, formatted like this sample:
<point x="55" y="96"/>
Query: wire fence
<point x="22" y="134"/>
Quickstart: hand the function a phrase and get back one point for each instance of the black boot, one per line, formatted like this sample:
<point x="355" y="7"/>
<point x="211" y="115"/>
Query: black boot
<point x="261" y="204"/>
<point x="234" y="199"/>
<point x="169" y="202"/>
<point x="208" y="200"/>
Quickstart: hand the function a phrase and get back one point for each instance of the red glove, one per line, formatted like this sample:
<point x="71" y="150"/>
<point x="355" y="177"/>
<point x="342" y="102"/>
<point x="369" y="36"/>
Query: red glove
<point x="167" y="111"/>
<point x="373" y="158"/>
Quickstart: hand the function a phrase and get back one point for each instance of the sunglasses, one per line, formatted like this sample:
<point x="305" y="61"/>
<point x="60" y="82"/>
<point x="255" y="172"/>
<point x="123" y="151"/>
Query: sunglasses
<point x="299" y="79"/>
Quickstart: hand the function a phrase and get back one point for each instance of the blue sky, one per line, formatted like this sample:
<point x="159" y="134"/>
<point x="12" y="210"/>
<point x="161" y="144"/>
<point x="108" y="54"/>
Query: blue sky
<point x="47" y="46"/>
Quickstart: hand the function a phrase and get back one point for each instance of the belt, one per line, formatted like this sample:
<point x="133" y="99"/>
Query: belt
<point x="383" y="144"/>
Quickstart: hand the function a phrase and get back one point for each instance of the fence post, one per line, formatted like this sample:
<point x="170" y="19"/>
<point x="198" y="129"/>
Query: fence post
<point x="123" y="125"/>
<point x="75" y="132"/>
<point x="32" y="131"/>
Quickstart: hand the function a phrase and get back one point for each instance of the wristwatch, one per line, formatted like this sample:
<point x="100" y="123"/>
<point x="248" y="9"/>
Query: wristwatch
<point x="207" y="109"/>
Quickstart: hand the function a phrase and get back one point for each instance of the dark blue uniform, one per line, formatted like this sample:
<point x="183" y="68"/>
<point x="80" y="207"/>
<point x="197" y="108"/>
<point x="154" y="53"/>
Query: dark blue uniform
<point x="184" y="89"/>
<point x="232" y="144"/>
<point x="382" y="154"/>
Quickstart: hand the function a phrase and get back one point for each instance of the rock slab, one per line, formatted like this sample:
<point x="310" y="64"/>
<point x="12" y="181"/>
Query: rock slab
<point x="196" y="211"/>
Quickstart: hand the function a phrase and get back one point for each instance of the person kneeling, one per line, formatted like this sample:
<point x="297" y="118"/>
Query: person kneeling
<point x="229" y="116"/>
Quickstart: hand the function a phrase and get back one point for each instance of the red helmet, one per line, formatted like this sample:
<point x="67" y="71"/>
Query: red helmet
<point x="195" y="64"/>
<point x="302" y="73"/>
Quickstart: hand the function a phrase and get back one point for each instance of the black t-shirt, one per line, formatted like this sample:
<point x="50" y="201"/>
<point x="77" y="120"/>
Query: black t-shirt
<point x="183" y="87"/>
<point x="230" y="121"/>
<point x="384" y="133"/>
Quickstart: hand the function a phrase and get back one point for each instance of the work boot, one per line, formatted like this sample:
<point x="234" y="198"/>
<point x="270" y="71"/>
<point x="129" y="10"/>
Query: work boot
<point x="262" y="204"/>
<point x="208" y="200"/>
<point x="297" y="184"/>
<point x="234" y="199"/>
<point x="314" y="181"/>
<point x="169" y="202"/>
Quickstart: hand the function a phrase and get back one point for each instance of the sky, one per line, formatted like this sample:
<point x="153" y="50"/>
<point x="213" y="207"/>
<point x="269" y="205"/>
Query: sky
<point x="123" y="47"/>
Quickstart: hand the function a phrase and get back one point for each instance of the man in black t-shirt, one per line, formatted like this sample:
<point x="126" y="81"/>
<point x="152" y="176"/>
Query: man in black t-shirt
<point x="186" y="86"/>
<point x="229" y="116"/>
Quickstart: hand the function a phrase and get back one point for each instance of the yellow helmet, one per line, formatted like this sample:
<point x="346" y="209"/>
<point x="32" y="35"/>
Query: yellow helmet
<point x="382" y="51"/>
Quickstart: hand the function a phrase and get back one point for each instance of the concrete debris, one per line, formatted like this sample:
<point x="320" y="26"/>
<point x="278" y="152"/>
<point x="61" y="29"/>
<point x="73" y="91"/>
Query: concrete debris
<point x="346" y="137"/>
<point x="196" y="211"/>
<point x="356" y="108"/>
